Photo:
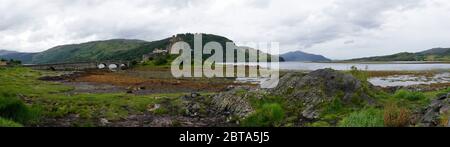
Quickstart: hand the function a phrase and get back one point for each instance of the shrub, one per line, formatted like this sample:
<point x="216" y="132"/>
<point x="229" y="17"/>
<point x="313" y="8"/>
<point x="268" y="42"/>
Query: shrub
<point x="408" y="95"/>
<point x="269" y="115"/>
<point x="359" y="74"/>
<point x="160" y="61"/>
<point x="395" y="116"/>
<point x="14" y="109"/>
<point x="365" y="118"/>
<point x="444" y="119"/>
<point x="443" y="92"/>
<point x="319" y="124"/>
<point x="8" y="123"/>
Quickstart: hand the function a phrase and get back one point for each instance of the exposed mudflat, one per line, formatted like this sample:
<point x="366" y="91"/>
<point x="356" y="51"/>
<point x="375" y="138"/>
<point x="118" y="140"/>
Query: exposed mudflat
<point x="143" y="82"/>
<point x="139" y="82"/>
<point x="408" y="80"/>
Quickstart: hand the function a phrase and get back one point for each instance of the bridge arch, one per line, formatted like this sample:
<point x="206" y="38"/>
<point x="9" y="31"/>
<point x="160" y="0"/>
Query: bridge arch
<point x="113" y="66"/>
<point x="123" y="66"/>
<point x="104" y="65"/>
<point x="101" y="66"/>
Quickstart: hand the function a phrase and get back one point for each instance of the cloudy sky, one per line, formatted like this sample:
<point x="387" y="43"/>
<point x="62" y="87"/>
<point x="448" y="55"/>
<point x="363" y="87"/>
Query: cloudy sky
<point x="338" y="29"/>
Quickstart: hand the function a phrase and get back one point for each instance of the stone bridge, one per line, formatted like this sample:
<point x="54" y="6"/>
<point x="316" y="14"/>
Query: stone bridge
<point x="106" y="65"/>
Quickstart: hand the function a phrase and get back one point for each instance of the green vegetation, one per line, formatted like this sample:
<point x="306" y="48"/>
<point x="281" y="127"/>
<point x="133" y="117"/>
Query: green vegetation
<point x="51" y="100"/>
<point x="23" y="81"/>
<point x="11" y="62"/>
<point x="109" y="106"/>
<point x="389" y="110"/>
<point x="14" y="109"/>
<point x="160" y="61"/>
<point x="408" y="95"/>
<point x="8" y="123"/>
<point x="437" y="54"/>
<point x="335" y="110"/>
<point x="117" y="49"/>
<point x="91" y="51"/>
<point x="268" y="115"/>
<point x="370" y="117"/>
<point x="24" y="101"/>
<point x="396" y="116"/>
<point x="443" y="92"/>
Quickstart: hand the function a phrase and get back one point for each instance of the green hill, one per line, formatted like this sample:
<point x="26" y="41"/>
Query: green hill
<point x="117" y="49"/>
<point x="91" y="51"/>
<point x="436" y="54"/>
<point x="302" y="56"/>
<point x="148" y="47"/>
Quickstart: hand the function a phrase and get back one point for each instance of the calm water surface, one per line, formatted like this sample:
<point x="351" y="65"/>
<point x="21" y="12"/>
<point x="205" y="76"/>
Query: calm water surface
<point x="394" y="66"/>
<point x="401" y="80"/>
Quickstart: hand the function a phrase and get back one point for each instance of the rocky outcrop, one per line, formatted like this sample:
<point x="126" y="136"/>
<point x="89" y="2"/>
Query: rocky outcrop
<point x="319" y="87"/>
<point x="437" y="113"/>
<point x="234" y="102"/>
<point x="306" y="92"/>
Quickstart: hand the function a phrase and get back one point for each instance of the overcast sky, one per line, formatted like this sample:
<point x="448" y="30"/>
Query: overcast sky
<point x="338" y="29"/>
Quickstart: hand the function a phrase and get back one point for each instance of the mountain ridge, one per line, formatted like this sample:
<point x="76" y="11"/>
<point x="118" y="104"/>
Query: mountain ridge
<point x="434" y="54"/>
<point x="303" y="56"/>
<point x="113" y="49"/>
<point x="22" y="56"/>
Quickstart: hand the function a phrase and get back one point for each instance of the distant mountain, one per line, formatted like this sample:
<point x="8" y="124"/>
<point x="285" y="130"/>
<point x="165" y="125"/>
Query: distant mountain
<point x="6" y="52"/>
<point x="302" y="56"/>
<point x="435" y="54"/>
<point x="24" y="57"/>
<point x="245" y="50"/>
<point x="441" y="51"/>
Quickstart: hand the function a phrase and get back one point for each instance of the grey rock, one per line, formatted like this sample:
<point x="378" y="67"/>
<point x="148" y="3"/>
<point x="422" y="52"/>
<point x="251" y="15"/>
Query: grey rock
<point x="194" y="95"/>
<point x="319" y="87"/>
<point x="310" y="113"/>
<point x="308" y="91"/>
<point x="152" y="108"/>
<point x="444" y="109"/>
<point x="433" y="112"/>
<point x="232" y="103"/>
<point x="104" y="121"/>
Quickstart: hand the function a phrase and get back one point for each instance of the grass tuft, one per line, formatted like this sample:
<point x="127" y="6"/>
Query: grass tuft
<point x="408" y="95"/>
<point x="9" y="123"/>
<point x="269" y="115"/>
<point x="370" y="117"/>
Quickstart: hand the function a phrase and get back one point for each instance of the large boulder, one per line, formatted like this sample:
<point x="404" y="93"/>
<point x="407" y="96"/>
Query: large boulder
<point x="320" y="87"/>
<point x="437" y="113"/>
<point x="234" y="102"/>
<point x="306" y="92"/>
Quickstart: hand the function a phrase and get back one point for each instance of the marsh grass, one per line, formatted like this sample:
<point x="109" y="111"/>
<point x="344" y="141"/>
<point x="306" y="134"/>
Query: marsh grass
<point x="51" y="100"/>
<point x="369" y="117"/>
<point x="396" y="116"/>
<point x="268" y="115"/>
<point x="409" y="95"/>
<point x="9" y="123"/>
<point x="13" y="109"/>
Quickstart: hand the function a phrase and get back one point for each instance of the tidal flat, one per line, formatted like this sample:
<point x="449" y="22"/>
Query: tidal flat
<point x="151" y="97"/>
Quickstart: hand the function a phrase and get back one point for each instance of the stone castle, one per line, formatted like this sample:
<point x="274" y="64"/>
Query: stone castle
<point x="161" y="51"/>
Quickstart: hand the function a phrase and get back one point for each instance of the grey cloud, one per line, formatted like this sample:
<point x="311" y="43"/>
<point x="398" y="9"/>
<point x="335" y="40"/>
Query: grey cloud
<point x="345" y="18"/>
<point x="349" y="42"/>
<point x="38" y="25"/>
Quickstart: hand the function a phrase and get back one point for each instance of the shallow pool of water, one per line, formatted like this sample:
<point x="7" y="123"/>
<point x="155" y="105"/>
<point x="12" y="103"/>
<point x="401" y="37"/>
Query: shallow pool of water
<point x="407" y="80"/>
<point x="387" y="66"/>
